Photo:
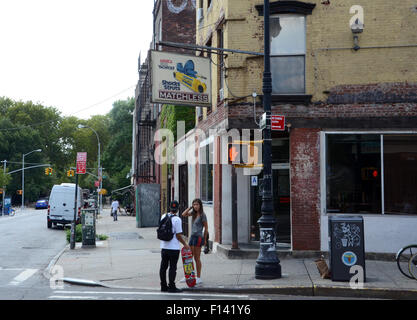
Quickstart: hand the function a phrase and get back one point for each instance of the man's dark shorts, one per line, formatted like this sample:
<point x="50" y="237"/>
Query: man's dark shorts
<point x="196" y="241"/>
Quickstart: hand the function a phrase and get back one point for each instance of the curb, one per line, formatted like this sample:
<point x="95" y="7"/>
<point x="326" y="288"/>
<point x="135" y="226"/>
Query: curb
<point x="316" y="291"/>
<point x="47" y="271"/>
<point x="370" y="293"/>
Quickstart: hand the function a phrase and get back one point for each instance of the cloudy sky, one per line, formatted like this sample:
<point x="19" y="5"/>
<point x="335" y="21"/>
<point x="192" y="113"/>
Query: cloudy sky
<point x="78" y="56"/>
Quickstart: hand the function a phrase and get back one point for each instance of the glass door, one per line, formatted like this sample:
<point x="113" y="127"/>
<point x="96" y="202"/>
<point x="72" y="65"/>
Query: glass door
<point x="282" y="203"/>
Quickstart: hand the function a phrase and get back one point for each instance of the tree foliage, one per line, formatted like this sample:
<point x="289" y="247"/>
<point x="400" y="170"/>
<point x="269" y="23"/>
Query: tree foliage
<point x="27" y="126"/>
<point x="117" y="158"/>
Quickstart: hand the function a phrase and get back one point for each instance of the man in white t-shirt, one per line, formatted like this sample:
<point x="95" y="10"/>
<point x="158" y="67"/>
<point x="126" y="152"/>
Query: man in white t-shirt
<point x="170" y="252"/>
<point x="114" y="207"/>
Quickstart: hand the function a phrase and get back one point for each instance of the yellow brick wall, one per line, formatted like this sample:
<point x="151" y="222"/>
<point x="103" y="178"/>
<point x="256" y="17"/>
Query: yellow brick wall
<point x="387" y="24"/>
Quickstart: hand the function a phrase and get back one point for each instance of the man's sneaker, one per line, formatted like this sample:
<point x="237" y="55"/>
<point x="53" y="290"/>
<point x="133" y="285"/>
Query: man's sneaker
<point x="199" y="281"/>
<point x="174" y="290"/>
<point x="182" y="280"/>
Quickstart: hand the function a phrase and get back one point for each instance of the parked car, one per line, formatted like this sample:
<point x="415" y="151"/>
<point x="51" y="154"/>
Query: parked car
<point x="41" y="204"/>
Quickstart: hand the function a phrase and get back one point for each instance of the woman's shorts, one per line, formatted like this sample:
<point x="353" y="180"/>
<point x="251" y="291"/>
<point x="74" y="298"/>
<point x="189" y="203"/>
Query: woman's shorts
<point x="196" y="241"/>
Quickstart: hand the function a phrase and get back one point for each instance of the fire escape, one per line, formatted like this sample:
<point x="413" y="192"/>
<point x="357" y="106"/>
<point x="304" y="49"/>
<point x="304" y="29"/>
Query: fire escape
<point x="146" y="129"/>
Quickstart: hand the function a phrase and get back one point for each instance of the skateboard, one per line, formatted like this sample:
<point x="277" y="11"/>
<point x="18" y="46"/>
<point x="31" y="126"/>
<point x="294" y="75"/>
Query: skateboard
<point x="187" y="261"/>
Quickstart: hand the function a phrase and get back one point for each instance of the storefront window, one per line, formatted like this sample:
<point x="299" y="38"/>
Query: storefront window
<point x="400" y="174"/>
<point x="354" y="173"/>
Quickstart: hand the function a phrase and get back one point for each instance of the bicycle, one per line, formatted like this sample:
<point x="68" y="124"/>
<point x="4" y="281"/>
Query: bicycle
<point x="8" y="212"/>
<point x="412" y="266"/>
<point x="406" y="259"/>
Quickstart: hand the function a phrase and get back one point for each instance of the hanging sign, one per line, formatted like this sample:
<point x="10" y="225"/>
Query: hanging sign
<point x="180" y="79"/>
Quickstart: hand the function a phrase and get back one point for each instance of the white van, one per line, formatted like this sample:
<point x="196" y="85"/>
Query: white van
<point x="61" y="204"/>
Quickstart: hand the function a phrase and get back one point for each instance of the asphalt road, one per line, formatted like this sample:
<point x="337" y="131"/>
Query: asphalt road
<point x="26" y="249"/>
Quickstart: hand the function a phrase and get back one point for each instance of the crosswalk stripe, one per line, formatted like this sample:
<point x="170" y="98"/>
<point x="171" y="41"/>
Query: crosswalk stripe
<point x="23" y="276"/>
<point x="74" y="297"/>
<point x="208" y="295"/>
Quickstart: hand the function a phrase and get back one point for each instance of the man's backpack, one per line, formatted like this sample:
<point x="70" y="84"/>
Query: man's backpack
<point x="164" y="231"/>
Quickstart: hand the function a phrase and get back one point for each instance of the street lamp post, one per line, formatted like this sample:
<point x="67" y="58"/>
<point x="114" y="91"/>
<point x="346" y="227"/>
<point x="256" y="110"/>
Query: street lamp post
<point x="81" y="126"/>
<point x="267" y="265"/>
<point x="23" y="175"/>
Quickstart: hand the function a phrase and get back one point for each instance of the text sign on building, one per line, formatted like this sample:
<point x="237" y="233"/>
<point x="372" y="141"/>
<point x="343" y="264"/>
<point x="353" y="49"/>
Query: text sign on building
<point x="180" y="79"/>
<point x="81" y="162"/>
<point x="277" y="123"/>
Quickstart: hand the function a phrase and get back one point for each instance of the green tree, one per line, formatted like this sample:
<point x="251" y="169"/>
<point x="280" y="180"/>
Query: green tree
<point x="117" y="157"/>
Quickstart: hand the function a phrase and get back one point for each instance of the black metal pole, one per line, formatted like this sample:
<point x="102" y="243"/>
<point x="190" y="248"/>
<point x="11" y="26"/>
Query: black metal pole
<point x="234" y="209"/>
<point x="267" y="265"/>
<point x="72" y="238"/>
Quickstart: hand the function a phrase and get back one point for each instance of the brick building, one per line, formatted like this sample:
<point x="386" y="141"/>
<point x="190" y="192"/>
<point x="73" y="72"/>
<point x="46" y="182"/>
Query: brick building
<point x="350" y="144"/>
<point x="175" y="22"/>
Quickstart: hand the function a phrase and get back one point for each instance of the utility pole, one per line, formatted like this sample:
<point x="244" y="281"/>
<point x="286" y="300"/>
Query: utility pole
<point x="4" y="187"/>
<point x="23" y="175"/>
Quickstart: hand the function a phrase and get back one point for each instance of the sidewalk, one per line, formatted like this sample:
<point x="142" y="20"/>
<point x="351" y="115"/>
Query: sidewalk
<point x="130" y="259"/>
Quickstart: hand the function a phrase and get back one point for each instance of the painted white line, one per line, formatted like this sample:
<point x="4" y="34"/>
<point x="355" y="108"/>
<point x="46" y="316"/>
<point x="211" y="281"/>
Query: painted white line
<point x="74" y="297"/>
<point x="23" y="276"/>
<point x="12" y="269"/>
<point x="151" y="293"/>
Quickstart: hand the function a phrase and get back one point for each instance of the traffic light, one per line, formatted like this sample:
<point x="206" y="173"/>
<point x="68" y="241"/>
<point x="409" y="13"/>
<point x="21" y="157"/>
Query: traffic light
<point x="19" y="192"/>
<point x="70" y="173"/>
<point x="243" y="153"/>
<point x="46" y="171"/>
<point x="50" y="171"/>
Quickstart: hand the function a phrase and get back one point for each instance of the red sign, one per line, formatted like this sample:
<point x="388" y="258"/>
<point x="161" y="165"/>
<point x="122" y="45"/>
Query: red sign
<point x="97" y="183"/>
<point x="278" y="123"/>
<point x="81" y="162"/>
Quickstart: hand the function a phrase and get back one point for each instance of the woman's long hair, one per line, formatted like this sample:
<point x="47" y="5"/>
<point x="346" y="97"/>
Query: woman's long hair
<point x="194" y="214"/>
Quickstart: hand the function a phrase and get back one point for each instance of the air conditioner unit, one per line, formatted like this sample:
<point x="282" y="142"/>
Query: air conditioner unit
<point x="199" y="14"/>
<point x="221" y="94"/>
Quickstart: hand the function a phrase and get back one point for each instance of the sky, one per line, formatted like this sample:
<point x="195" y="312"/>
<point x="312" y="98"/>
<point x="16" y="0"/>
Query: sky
<point x="78" y="56"/>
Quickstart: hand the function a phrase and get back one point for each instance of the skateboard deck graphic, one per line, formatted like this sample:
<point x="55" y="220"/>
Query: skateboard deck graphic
<point x="187" y="261"/>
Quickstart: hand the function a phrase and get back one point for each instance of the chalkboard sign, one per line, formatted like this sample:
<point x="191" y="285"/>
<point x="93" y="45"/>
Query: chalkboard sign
<point x="347" y="247"/>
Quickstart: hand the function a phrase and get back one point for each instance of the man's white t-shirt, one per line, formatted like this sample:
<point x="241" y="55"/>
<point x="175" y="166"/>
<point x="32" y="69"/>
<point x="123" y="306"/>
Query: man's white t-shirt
<point x="114" y="206"/>
<point x="174" y="244"/>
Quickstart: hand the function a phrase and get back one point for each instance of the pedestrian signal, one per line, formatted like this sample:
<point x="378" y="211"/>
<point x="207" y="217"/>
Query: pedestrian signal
<point x="244" y="153"/>
<point x="70" y="173"/>
<point x="234" y="153"/>
<point x="19" y="192"/>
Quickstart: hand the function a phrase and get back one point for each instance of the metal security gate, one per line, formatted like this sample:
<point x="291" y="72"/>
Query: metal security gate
<point x="148" y="208"/>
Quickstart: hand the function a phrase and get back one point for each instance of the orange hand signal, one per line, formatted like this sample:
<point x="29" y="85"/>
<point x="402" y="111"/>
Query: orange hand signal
<point x="233" y="154"/>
